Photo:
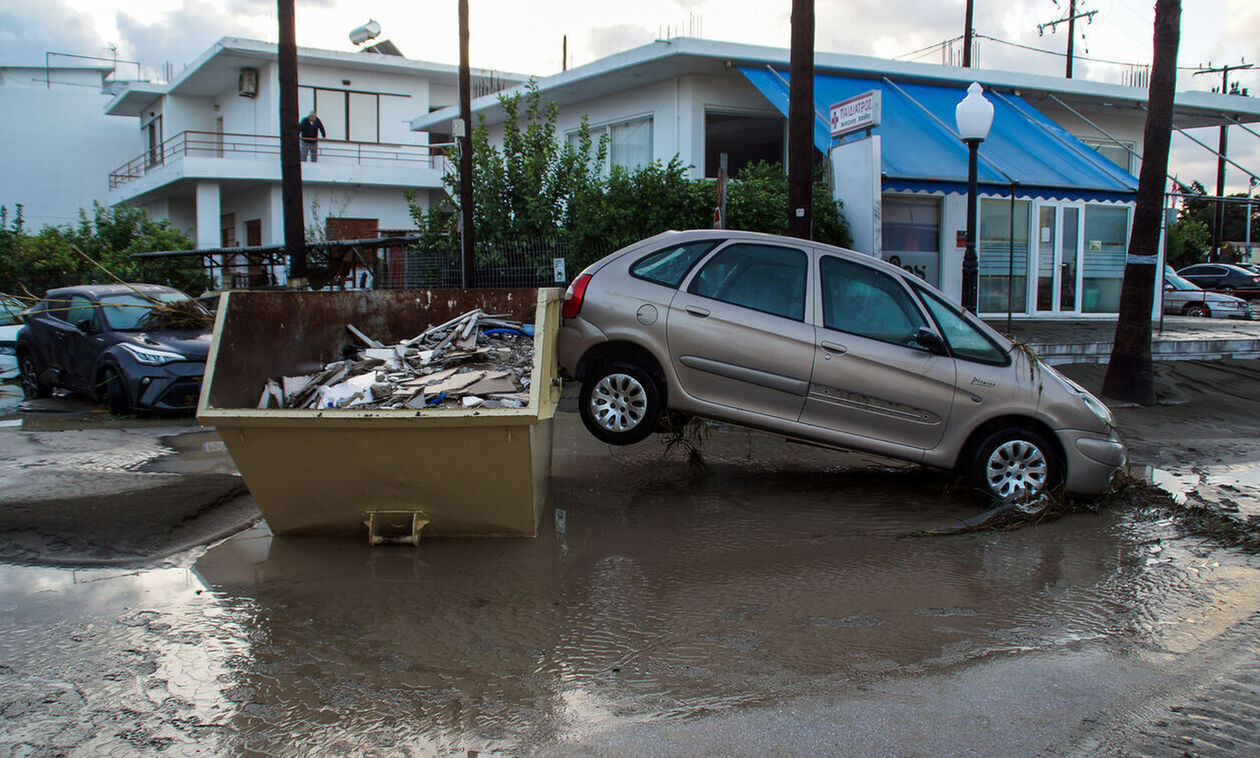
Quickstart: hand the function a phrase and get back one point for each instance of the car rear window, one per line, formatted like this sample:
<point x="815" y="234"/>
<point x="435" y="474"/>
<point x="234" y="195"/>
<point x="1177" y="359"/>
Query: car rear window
<point x="670" y="266"/>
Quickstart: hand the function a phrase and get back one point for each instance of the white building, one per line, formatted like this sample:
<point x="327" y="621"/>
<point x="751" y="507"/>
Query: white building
<point x="1058" y="168"/>
<point x="60" y="147"/>
<point x="205" y="147"/>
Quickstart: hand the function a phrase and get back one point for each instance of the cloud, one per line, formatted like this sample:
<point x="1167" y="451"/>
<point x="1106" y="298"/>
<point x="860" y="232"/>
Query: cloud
<point x="29" y="30"/>
<point x="180" y="35"/>
<point x="606" y="40"/>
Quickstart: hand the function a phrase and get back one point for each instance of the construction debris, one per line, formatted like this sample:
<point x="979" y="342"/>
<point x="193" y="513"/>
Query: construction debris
<point x="474" y="361"/>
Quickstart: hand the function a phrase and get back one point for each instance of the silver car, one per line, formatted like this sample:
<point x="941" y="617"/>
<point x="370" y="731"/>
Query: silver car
<point x="1184" y="297"/>
<point x="827" y="346"/>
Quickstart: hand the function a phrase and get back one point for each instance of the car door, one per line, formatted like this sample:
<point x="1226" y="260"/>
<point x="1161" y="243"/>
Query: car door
<point x="1207" y="277"/>
<point x="738" y="334"/>
<point x="79" y="344"/>
<point x="871" y="379"/>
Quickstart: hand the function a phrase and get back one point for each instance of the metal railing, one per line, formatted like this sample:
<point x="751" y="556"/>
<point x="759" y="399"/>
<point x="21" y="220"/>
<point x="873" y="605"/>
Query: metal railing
<point x="262" y="146"/>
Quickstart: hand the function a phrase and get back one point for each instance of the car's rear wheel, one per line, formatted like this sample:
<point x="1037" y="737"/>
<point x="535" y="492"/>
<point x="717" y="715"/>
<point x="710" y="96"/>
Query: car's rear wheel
<point x="32" y="387"/>
<point x="1198" y="310"/>
<point x="620" y="404"/>
<point x="1015" y="465"/>
<point x="115" y="393"/>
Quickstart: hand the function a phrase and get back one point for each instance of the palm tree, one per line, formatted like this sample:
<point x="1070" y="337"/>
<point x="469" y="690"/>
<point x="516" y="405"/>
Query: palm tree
<point x="1130" y="376"/>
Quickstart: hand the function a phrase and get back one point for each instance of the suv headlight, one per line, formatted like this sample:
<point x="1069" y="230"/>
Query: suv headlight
<point x="152" y="357"/>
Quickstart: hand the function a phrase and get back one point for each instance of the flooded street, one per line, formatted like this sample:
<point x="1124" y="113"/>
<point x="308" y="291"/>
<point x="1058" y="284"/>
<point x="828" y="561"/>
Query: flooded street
<point x="781" y="599"/>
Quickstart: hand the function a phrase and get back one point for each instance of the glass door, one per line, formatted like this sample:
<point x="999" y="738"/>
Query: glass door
<point x="1058" y="256"/>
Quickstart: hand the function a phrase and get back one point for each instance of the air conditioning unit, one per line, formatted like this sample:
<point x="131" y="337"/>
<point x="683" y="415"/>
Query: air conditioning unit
<point x="247" y="83"/>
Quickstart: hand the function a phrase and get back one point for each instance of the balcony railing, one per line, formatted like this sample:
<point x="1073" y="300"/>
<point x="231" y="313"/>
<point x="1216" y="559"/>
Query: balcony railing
<point x="262" y="147"/>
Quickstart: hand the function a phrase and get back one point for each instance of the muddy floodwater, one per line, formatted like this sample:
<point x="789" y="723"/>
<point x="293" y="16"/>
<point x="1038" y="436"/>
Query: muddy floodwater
<point x="779" y="600"/>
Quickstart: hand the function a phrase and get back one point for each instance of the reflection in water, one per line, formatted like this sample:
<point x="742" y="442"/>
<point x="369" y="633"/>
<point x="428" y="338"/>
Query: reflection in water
<point x="650" y="596"/>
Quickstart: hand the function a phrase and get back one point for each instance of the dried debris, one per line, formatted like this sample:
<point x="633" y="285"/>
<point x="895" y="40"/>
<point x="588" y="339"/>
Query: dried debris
<point x="475" y="360"/>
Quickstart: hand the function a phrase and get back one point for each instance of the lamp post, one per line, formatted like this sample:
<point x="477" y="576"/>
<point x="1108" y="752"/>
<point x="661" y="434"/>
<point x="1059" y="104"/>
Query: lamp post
<point x="974" y="116"/>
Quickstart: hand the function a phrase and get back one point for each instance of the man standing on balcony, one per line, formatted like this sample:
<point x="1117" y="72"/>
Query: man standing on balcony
<point x="310" y="129"/>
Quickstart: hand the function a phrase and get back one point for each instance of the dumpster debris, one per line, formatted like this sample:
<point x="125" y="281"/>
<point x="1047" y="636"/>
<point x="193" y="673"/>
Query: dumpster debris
<point x="476" y="360"/>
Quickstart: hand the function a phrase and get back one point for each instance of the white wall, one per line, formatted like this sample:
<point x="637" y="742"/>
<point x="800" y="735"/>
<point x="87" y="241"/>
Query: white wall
<point x="59" y="150"/>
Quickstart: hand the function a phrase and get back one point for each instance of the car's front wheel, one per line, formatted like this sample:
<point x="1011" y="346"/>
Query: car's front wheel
<point x="32" y="387"/>
<point x="1015" y="465"/>
<point x="620" y="404"/>
<point x="115" y="393"/>
<point x="1197" y="310"/>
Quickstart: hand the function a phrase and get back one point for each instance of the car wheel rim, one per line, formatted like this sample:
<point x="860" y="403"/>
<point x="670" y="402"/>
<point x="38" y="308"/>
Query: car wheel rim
<point x="1017" y="471"/>
<point x="618" y="402"/>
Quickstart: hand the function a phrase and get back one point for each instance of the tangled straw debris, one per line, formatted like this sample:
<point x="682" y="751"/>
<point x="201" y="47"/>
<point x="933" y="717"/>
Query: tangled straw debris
<point x="472" y="361"/>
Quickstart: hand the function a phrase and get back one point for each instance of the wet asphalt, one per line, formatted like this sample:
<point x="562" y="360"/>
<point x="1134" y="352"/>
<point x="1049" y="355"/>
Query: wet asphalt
<point x="778" y="599"/>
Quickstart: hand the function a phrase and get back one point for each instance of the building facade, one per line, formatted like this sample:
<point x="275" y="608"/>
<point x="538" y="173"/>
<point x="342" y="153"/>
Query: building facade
<point x="205" y="147"/>
<point x="1057" y="173"/>
<point x="61" y="145"/>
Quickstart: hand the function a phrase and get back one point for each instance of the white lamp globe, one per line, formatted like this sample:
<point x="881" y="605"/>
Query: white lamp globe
<point x="974" y="115"/>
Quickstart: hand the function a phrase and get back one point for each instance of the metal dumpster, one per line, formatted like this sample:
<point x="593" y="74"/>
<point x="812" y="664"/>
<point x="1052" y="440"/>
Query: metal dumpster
<point x="481" y="471"/>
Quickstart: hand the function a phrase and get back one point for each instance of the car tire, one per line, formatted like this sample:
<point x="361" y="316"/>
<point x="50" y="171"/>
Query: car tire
<point x="1016" y="465"/>
<point x="32" y="387"/>
<point x="115" y="393"/>
<point x="620" y="404"/>
<point x="1198" y="311"/>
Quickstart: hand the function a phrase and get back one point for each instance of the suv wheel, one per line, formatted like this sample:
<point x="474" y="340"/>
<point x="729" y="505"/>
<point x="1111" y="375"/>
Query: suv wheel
<point x="1015" y="465"/>
<point x="32" y="387"/>
<point x="115" y="393"/>
<point x="620" y="404"/>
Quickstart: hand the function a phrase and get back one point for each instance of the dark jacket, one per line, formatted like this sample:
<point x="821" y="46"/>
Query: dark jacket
<point x="310" y="128"/>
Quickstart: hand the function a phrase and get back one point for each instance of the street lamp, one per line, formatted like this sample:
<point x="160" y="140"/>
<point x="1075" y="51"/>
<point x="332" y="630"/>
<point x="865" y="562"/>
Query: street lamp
<point x="974" y="116"/>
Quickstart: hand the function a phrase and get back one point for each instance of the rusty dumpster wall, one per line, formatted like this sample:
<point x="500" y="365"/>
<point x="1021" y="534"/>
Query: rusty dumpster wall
<point x="318" y="472"/>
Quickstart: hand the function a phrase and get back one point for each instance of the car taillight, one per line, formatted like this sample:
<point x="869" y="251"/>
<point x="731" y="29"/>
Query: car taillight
<point x="1255" y="279"/>
<point x="573" y="296"/>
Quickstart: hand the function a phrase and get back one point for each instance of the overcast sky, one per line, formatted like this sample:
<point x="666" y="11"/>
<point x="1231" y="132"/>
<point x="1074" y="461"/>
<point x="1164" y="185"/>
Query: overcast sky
<point x="525" y="36"/>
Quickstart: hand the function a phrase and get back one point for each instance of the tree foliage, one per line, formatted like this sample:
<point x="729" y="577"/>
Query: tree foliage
<point x="1200" y="213"/>
<point x="40" y="261"/>
<point x="537" y="185"/>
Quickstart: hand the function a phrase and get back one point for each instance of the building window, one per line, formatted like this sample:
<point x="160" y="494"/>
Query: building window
<point x="1106" y="236"/>
<point x="1003" y="256"/>
<point x="629" y="142"/>
<point x="911" y="231"/>
<point x="1117" y="154"/>
<point x="744" y="138"/>
<point x="346" y="116"/>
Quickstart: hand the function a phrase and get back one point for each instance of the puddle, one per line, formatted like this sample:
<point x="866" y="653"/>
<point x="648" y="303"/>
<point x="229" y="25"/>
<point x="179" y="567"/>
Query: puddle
<point x="655" y="594"/>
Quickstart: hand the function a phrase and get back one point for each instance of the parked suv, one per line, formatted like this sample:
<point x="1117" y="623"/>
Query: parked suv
<point x="104" y="342"/>
<point x="828" y="346"/>
<point x="1224" y="277"/>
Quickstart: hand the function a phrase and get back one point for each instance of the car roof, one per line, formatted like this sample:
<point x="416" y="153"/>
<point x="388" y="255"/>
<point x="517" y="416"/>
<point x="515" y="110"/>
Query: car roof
<point x="102" y="290"/>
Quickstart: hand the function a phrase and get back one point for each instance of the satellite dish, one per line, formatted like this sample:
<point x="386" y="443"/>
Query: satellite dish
<point x="369" y="31"/>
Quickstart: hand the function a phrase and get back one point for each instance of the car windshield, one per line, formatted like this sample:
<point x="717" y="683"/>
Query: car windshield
<point x="1172" y="281"/>
<point x="9" y="309"/>
<point x="126" y="312"/>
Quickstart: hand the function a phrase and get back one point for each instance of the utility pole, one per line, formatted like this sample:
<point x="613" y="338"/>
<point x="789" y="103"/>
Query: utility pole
<point x="968" y="32"/>
<point x="1218" y="221"/>
<point x="1070" y="18"/>
<point x="467" y="233"/>
<point x="290" y="166"/>
<point x="801" y="121"/>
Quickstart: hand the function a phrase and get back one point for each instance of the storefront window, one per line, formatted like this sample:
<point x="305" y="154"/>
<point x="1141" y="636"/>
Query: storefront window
<point x="912" y="235"/>
<point x="1003" y="260"/>
<point x="1106" y="236"/>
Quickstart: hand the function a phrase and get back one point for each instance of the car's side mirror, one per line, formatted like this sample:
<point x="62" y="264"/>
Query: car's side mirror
<point x="929" y="339"/>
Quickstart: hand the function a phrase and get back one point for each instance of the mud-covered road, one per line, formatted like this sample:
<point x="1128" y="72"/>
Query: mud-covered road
<point x="778" y="601"/>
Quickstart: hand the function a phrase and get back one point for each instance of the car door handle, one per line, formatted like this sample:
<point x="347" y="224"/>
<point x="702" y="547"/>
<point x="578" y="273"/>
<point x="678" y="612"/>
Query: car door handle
<point x="832" y="347"/>
<point x="697" y="311"/>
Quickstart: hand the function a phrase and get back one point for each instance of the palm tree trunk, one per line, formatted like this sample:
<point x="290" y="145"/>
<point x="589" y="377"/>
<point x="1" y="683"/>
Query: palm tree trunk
<point x="1130" y="376"/>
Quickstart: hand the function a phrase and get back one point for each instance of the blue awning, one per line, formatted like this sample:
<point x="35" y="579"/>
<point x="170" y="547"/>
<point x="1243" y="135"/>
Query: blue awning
<point x="921" y="151"/>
